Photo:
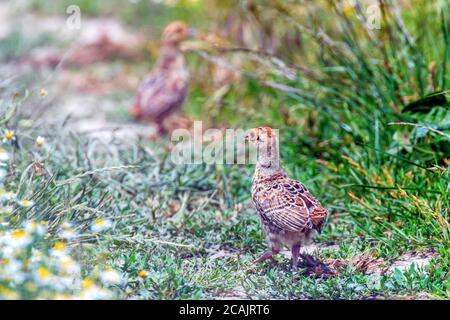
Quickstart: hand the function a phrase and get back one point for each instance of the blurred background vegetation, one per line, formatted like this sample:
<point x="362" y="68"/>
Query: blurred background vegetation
<point x="364" y="120"/>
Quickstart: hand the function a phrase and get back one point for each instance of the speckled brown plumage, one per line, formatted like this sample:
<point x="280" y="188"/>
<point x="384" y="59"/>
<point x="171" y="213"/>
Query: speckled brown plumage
<point x="164" y="89"/>
<point x="289" y="214"/>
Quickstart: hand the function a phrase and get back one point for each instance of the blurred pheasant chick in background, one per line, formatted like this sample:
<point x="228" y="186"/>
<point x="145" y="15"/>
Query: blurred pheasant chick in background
<point x="289" y="214"/>
<point x="163" y="91"/>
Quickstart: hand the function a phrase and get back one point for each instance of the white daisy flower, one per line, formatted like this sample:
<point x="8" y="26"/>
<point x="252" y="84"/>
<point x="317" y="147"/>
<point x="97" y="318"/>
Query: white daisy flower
<point x="9" y="136"/>
<point x="59" y="250"/>
<point x="4" y="155"/>
<point x="5" y="210"/>
<point x="68" y="265"/>
<point x="43" y="93"/>
<point x="66" y="225"/>
<point x="95" y="293"/>
<point x="36" y="256"/>
<point x="26" y="203"/>
<point x="11" y="266"/>
<point x="7" y="252"/>
<point x="67" y="231"/>
<point x="3" y="174"/>
<point x="64" y="283"/>
<point x="34" y="227"/>
<point x="91" y="291"/>
<point x="68" y="234"/>
<point x="7" y="195"/>
<point x="101" y="224"/>
<point x="18" y="238"/>
<point x="110" y="276"/>
<point x="40" y="141"/>
<point x="12" y="269"/>
<point x="43" y="275"/>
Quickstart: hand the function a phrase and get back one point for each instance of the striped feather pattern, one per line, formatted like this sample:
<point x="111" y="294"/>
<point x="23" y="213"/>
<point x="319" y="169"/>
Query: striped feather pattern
<point x="164" y="89"/>
<point x="162" y="92"/>
<point x="286" y="204"/>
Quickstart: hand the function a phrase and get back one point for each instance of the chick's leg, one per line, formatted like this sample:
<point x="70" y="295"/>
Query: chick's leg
<point x="158" y="133"/>
<point x="267" y="255"/>
<point x="295" y="254"/>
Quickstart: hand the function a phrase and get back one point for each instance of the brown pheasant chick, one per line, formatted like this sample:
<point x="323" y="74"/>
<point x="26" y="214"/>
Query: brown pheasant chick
<point x="289" y="214"/>
<point x="164" y="89"/>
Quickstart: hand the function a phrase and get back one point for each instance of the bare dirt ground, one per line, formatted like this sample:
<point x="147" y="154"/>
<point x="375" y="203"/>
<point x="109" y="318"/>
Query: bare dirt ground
<point x="84" y="72"/>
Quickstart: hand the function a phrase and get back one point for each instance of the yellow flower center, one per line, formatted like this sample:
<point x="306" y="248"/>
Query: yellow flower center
<point x="143" y="274"/>
<point x="8" y="293"/>
<point x="59" y="245"/>
<point x="17" y="234"/>
<point x="33" y="225"/>
<point x="99" y="221"/>
<point x="87" y="283"/>
<point x="43" y="273"/>
<point x="9" y="135"/>
<point x="67" y="263"/>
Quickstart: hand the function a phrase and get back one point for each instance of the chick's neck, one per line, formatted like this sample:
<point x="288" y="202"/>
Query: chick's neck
<point x="170" y="56"/>
<point x="268" y="158"/>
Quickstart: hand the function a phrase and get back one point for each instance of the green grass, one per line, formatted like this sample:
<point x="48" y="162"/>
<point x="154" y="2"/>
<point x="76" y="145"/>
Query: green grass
<point x="193" y="228"/>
